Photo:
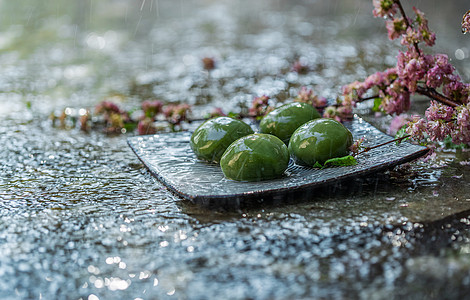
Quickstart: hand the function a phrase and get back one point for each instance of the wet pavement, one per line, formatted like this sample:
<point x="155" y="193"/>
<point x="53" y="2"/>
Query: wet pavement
<point x="81" y="218"/>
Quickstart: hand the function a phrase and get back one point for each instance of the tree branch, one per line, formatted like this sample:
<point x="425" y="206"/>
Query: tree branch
<point x="435" y="95"/>
<point x="408" y="25"/>
<point x="425" y="91"/>
<point x="366" y="149"/>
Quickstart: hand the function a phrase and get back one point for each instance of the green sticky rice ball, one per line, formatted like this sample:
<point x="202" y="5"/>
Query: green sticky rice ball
<point x="255" y="157"/>
<point x="284" y="120"/>
<point x="318" y="141"/>
<point x="210" y="140"/>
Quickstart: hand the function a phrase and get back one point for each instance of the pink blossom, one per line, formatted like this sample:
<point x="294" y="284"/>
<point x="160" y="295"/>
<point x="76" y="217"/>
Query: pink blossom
<point x="384" y="8"/>
<point x="411" y="37"/>
<point x="260" y="106"/>
<point x="466" y="22"/>
<point x="461" y="133"/>
<point x="376" y="79"/>
<point x="355" y="89"/>
<point x="320" y="101"/>
<point x="430" y="39"/>
<point x="176" y="113"/>
<point x="395" y="28"/>
<point x="438" y="130"/>
<point x="152" y="108"/>
<point x="307" y="95"/>
<point x="345" y="112"/>
<point x="348" y="102"/>
<point x="396" y="99"/>
<point x="426" y="35"/>
<point x="416" y="128"/>
<point x="332" y="113"/>
<point x="146" y="126"/>
<point x="412" y="68"/>
<point x="455" y="89"/>
<point x="105" y="107"/>
<point x="439" y="71"/>
<point x="380" y="79"/>
<point x="389" y="105"/>
<point x="114" y="117"/>
<point x="420" y="18"/>
<point x="437" y="111"/>
<point x="114" y="122"/>
<point x="357" y="146"/>
<point x="415" y="72"/>
<point x="442" y="60"/>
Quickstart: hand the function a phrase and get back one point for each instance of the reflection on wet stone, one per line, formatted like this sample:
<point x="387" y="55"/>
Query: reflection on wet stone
<point x="81" y="218"/>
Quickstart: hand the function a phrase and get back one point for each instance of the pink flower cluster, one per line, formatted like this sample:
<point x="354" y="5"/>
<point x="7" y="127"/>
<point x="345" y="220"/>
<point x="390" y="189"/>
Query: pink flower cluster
<point x="395" y="28"/>
<point x="384" y="8"/>
<point x="395" y="98"/>
<point x="461" y="132"/>
<point x="357" y="146"/>
<point x="150" y="108"/>
<point x="107" y="107"/>
<point x="339" y="113"/>
<point x="173" y="113"/>
<point x="114" y="117"/>
<point x="146" y="126"/>
<point x="435" y="71"/>
<point x="412" y="32"/>
<point x="466" y="22"/>
<point x="260" y="107"/>
<point x="442" y="121"/>
<point x="391" y="89"/>
<point x="307" y="95"/>
<point x="176" y="113"/>
<point x="422" y="31"/>
<point x="117" y="119"/>
<point x="415" y="72"/>
<point x="381" y="80"/>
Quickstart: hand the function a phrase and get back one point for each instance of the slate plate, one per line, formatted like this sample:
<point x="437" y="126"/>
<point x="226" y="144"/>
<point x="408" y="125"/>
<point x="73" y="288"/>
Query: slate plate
<point x="170" y="159"/>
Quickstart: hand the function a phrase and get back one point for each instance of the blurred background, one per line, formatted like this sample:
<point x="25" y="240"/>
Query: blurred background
<point x="55" y="54"/>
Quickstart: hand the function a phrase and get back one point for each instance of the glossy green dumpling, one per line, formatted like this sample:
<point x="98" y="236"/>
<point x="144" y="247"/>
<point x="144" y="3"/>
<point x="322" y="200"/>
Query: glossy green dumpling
<point x="318" y="141"/>
<point x="210" y="140"/>
<point x="255" y="157"/>
<point x="284" y="120"/>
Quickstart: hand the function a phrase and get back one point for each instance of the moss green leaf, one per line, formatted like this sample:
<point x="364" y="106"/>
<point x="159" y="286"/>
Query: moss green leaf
<point x="340" y="162"/>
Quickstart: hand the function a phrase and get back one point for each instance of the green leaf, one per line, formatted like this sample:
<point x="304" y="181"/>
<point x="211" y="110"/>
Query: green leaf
<point x="318" y="165"/>
<point x="149" y="114"/>
<point x="448" y="144"/>
<point x="340" y="162"/>
<point x="131" y="126"/>
<point x="377" y="102"/>
<point x="401" y="133"/>
<point x="233" y="115"/>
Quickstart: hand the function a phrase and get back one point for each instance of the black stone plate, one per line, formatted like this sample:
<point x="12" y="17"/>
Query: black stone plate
<point x="170" y="159"/>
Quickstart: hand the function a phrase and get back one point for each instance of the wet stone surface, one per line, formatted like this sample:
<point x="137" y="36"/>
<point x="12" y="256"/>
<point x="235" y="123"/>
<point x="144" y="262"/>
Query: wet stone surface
<point x="81" y="218"/>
